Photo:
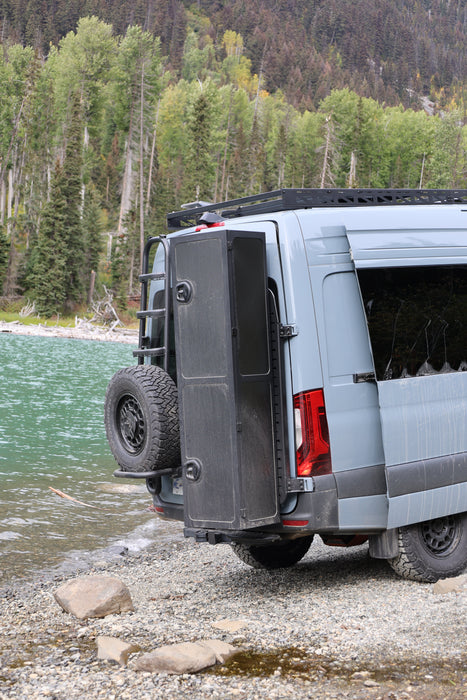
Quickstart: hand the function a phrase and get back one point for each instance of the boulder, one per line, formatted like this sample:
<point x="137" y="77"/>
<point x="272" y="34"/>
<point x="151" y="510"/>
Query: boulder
<point x="450" y="585"/>
<point x="113" y="649"/>
<point x="222" y="650"/>
<point x="94" y="596"/>
<point x="187" y="657"/>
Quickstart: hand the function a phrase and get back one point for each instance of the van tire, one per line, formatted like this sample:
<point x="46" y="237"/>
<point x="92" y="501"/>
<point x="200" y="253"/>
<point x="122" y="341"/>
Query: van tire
<point x="278" y="555"/>
<point x="141" y="419"/>
<point x="432" y="550"/>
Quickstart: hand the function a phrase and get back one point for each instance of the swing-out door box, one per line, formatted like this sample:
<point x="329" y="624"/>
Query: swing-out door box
<point x="224" y="379"/>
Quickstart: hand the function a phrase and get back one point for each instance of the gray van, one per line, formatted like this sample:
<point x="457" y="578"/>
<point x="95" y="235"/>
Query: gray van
<point x="302" y="370"/>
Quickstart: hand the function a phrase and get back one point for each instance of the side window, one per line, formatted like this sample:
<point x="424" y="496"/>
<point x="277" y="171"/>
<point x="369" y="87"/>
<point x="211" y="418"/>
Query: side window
<point x="348" y="350"/>
<point x="417" y="319"/>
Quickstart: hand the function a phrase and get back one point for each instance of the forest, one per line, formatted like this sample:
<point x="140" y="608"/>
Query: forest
<point x="108" y="120"/>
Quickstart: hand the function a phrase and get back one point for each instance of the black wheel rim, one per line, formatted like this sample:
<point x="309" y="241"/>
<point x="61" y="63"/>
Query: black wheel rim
<point x="440" y="536"/>
<point x="131" y="424"/>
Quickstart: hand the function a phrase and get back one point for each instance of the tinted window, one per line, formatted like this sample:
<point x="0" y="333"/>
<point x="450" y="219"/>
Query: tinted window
<point x="417" y="319"/>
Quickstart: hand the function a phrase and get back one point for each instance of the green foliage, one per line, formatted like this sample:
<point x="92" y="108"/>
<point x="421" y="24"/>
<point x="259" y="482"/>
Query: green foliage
<point x="71" y="188"/>
<point x="92" y="234"/>
<point x="447" y="162"/>
<point x="200" y="164"/>
<point x="143" y="120"/>
<point x="49" y="278"/>
<point x="3" y="256"/>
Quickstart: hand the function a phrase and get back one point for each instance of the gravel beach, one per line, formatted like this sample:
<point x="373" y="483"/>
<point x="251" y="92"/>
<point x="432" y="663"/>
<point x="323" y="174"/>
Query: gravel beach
<point x="337" y="625"/>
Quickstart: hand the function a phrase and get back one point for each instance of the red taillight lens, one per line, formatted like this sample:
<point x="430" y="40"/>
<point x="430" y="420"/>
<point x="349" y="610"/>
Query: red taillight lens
<point x="216" y="224"/>
<point x="311" y="434"/>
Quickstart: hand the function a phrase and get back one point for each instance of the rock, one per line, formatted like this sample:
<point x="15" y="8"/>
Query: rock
<point x="187" y="657"/>
<point x="94" y="596"/>
<point x="229" y="625"/>
<point x="450" y="585"/>
<point x="360" y="675"/>
<point x="222" y="650"/>
<point x="112" y="649"/>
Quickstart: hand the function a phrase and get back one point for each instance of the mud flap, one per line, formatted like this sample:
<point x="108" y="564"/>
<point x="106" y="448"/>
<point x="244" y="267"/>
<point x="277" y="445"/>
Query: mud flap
<point x="224" y="380"/>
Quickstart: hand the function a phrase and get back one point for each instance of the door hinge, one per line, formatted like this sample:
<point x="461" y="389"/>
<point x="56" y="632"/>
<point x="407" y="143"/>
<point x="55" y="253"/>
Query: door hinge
<point x="364" y="377"/>
<point x="297" y="485"/>
<point x="288" y="331"/>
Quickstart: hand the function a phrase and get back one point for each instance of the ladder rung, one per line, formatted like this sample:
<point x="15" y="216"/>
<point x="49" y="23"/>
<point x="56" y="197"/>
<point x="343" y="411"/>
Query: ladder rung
<point x="151" y="313"/>
<point x="149" y="352"/>
<point x="152" y="276"/>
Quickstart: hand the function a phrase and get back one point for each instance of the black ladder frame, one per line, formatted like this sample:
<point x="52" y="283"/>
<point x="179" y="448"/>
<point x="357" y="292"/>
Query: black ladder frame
<point x="164" y="312"/>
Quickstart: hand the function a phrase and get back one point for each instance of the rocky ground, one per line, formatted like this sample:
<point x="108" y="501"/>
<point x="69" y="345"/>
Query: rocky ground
<point x="82" y="330"/>
<point x="337" y="625"/>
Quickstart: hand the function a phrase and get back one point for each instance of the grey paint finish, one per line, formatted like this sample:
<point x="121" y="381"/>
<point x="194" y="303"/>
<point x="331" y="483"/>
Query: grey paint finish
<point x="423" y="417"/>
<point x="363" y="514"/>
<point x="427" y="505"/>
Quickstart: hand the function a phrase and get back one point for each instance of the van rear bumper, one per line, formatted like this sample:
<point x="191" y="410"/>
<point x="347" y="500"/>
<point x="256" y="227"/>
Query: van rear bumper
<point x="316" y="511"/>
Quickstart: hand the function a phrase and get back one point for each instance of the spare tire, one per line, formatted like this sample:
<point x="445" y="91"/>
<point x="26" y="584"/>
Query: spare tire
<point x="141" y="419"/>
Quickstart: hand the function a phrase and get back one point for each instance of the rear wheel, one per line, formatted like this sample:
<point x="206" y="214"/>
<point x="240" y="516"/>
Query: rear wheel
<point x="432" y="550"/>
<point x="277" y="555"/>
<point x="141" y="419"/>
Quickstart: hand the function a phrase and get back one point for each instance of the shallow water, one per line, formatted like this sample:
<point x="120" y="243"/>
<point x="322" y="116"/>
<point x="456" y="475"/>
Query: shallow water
<point x="52" y="436"/>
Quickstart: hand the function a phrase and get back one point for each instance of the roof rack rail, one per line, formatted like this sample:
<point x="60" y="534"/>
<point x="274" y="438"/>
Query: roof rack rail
<point x="286" y="199"/>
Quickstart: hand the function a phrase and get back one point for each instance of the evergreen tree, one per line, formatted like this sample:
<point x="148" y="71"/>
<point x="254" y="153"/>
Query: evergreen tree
<point x="448" y="159"/>
<point x="3" y="257"/>
<point x="72" y="191"/>
<point x="49" y="279"/>
<point x="92" y="234"/>
<point x="200" y="176"/>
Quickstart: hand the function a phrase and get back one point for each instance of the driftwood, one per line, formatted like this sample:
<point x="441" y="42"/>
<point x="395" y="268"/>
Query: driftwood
<point x="28" y="310"/>
<point x="104" y="311"/>
<point x="75" y="500"/>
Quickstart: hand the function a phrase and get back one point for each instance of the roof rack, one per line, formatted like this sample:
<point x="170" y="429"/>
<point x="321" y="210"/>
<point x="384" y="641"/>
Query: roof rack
<point x="287" y="199"/>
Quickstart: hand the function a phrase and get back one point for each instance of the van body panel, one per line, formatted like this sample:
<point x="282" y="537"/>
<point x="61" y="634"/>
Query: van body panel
<point x="423" y="417"/>
<point x="384" y="435"/>
<point x="427" y="505"/>
<point x="369" y="512"/>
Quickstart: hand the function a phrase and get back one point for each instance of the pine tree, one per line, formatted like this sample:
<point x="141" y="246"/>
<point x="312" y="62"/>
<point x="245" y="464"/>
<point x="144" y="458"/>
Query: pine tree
<point x="49" y="279"/>
<point x="200" y="164"/>
<point x="72" y="191"/>
<point x="3" y="256"/>
<point x="92" y="235"/>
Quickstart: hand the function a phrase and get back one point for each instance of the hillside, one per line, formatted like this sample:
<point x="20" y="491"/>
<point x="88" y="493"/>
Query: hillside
<point x="110" y="117"/>
<point x="391" y="50"/>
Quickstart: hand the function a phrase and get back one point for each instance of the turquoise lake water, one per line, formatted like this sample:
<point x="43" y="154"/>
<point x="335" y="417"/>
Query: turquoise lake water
<point x="52" y="435"/>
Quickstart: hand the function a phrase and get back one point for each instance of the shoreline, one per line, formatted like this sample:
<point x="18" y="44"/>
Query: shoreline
<point x="81" y="331"/>
<point x="337" y="625"/>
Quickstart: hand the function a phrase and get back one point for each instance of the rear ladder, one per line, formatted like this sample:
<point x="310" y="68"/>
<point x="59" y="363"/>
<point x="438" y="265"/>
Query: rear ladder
<point x="144" y="349"/>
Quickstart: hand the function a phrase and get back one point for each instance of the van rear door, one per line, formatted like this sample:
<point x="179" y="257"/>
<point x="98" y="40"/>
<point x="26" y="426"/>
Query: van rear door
<point x="421" y="386"/>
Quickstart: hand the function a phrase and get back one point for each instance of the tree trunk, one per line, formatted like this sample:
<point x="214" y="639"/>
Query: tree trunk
<point x="127" y="184"/>
<point x="224" y="162"/>
<point x="141" y="165"/>
<point x="151" y="162"/>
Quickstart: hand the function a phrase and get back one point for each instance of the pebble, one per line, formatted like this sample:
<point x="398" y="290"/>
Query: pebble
<point x="337" y="625"/>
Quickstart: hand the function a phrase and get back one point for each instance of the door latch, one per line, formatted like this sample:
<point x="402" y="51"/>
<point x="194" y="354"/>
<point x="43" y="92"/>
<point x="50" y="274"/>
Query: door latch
<point x="288" y="331"/>
<point x="184" y="292"/>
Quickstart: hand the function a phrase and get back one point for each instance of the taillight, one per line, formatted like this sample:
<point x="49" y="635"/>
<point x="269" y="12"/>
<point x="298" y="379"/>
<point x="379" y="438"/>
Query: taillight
<point x="311" y="434"/>
<point x="216" y="224"/>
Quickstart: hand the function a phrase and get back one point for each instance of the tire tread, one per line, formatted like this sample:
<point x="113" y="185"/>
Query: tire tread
<point x="160" y="395"/>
